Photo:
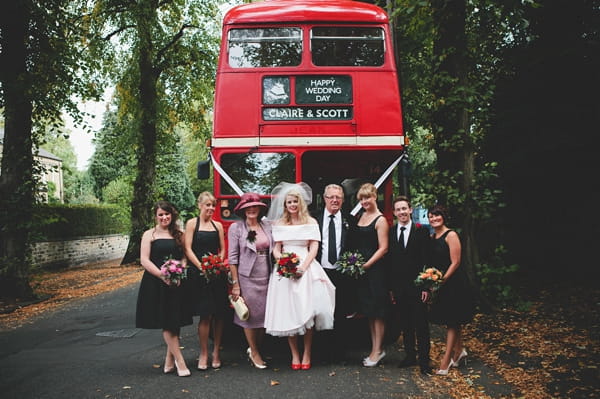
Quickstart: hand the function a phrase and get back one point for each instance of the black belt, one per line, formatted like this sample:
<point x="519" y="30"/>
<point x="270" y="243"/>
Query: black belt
<point x="262" y="251"/>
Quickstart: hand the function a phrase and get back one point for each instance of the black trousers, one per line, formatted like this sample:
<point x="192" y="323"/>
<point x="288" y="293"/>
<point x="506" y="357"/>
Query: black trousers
<point x="335" y="342"/>
<point x="415" y="327"/>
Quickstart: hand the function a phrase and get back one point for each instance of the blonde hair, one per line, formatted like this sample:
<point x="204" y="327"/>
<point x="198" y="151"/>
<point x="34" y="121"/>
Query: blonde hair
<point x="302" y="208"/>
<point x="206" y="196"/>
<point x="366" y="190"/>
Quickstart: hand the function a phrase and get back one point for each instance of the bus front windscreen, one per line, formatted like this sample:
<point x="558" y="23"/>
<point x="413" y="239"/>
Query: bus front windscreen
<point x="257" y="172"/>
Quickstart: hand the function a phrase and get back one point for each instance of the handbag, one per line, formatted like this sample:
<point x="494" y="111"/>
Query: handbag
<point x="240" y="308"/>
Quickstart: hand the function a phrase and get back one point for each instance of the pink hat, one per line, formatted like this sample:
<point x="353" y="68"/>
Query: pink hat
<point x="247" y="200"/>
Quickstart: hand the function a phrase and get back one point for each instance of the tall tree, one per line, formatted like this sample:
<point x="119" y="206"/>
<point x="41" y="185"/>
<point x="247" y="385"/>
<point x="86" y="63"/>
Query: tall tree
<point x="451" y="56"/>
<point x="165" y="78"/>
<point x="41" y="67"/>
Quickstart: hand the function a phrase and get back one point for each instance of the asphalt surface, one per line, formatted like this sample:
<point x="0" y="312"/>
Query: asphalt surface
<point x="91" y="349"/>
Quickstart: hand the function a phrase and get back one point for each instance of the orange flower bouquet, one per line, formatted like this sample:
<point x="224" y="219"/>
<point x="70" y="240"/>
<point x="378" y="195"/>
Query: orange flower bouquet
<point x="430" y="279"/>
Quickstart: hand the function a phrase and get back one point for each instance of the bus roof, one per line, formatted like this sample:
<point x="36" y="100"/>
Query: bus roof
<point x="286" y="11"/>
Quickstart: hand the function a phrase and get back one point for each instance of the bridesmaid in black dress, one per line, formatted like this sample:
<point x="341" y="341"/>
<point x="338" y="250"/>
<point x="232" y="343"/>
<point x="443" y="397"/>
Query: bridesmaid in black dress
<point x="370" y="238"/>
<point x="208" y="299"/>
<point x="453" y="306"/>
<point x="160" y="304"/>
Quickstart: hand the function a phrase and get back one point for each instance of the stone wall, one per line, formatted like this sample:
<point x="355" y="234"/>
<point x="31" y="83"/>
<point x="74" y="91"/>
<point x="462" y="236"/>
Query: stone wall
<point x="55" y="254"/>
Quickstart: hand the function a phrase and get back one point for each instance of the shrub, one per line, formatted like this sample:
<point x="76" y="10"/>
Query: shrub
<point x="61" y="221"/>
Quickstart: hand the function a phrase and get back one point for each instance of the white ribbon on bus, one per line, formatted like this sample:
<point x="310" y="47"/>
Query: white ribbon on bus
<point x="354" y="211"/>
<point x="381" y="179"/>
<point x="225" y="176"/>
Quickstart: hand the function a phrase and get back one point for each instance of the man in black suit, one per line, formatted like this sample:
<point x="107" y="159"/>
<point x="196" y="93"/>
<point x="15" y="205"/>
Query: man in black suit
<point x="405" y="259"/>
<point x="334" y="227"/>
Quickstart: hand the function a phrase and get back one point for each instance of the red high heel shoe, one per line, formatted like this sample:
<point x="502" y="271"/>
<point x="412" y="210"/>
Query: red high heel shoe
<point x="296" y="366"/>
<point x="305" y="366"/>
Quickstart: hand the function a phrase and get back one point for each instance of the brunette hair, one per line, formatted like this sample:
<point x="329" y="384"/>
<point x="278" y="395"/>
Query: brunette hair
<point x="173" y="226"/>
<point x="439" y="210"/>
<point x="402" y="198"/>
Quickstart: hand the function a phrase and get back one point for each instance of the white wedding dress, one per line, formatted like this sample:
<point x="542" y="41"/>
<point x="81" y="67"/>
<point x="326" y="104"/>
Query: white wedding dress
<point x="295" y="305"/>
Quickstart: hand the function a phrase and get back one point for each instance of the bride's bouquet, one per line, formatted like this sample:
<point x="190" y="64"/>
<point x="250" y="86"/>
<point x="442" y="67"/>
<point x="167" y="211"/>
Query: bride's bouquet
<point x="287" y="265"/>
<point x="351" y="263"/>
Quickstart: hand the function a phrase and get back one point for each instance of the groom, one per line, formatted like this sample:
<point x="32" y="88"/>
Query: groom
<point x="404" y="260"/>
<point x="334" y="227"/>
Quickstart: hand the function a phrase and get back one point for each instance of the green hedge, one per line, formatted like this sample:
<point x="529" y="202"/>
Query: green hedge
<point x="59" y="221"/>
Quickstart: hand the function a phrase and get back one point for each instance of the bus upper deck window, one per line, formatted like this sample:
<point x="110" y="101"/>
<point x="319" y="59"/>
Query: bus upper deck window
<point x="347" y="46"/>
<point x="265" y="47"/>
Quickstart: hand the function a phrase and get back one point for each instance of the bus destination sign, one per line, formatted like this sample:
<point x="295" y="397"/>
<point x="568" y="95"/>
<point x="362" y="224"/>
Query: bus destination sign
<point x="306" y="113"/>
<point x="321" y="91"/>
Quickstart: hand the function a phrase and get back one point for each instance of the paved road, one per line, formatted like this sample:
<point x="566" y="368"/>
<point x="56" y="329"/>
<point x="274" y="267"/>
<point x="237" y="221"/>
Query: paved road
<point x="90" y="349"/>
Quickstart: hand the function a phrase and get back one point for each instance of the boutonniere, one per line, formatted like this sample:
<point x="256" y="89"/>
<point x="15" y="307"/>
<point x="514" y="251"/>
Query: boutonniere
<point x="418" y="225"/>
<point x="345" y="224"/>
<point x="251" y="236"/>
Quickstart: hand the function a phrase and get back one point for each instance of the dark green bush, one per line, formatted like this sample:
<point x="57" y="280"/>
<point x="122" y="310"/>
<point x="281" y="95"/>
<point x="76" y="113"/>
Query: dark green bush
<point x="59" y="221"/>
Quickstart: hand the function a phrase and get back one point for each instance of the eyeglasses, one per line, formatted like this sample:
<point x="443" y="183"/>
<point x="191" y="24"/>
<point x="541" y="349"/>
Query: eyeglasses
<point x="333" y="197"/>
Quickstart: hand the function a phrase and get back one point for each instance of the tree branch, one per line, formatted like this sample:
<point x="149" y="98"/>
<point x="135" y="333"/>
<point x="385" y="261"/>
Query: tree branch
<point x="178" y="35"/>
<point x="116" y="32"/>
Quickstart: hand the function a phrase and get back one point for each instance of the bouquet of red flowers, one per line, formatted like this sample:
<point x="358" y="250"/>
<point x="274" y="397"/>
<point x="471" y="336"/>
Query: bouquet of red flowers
<point x="173" y="271"/>
<point x="213" y="266"/>
<point x="287" y="265"/>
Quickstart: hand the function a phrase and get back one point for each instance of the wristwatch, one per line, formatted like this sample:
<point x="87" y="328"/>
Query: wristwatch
<point x="234" y="281"/>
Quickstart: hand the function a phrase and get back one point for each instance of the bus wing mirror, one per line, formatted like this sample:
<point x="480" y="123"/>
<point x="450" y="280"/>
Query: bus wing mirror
<point x="203" y="170"/>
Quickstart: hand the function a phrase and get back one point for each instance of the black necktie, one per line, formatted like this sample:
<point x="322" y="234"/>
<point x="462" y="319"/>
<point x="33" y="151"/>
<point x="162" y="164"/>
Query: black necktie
<point x="332" y="252"/>
<point x="402" y="236"/>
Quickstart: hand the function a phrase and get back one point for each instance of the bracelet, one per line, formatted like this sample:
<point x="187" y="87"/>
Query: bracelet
<point x="234" y="281"/>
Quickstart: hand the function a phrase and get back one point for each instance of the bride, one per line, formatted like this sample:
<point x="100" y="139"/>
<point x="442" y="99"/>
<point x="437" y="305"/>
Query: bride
<point x="296" y="305"/>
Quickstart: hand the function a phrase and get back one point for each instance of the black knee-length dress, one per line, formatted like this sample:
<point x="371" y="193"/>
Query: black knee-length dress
<point x="160" y="306"/>
<point x="207" y="298"/>
<point x="453" y="304"/>
<point x="371" y="287"/>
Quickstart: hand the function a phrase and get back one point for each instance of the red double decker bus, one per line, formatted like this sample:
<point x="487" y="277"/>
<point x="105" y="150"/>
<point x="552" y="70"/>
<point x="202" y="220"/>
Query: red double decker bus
<point x="306" y="90"/>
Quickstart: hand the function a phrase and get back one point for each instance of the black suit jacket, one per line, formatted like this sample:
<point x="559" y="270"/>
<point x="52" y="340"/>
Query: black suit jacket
<point x="404" y="264"/>
<point x="346" y="225"/>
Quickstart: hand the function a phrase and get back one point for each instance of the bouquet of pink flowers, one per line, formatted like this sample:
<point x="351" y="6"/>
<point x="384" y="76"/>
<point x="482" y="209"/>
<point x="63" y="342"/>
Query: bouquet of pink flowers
<point x="351" y="263"/>
<point x="287" y="265"/>
<point x="213" y="266"/>
<point x="173" y="271"/>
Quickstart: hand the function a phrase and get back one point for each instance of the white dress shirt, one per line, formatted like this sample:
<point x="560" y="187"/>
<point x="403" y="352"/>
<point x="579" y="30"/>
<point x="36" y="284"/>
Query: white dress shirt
<point x="337" y="220"/>
<point x="406" y="232"/>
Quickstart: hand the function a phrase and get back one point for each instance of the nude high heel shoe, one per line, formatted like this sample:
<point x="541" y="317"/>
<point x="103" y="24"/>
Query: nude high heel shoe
<point x="182" y="372"/>
<point x="463" y="355"/>
<point x="445" y="371"/>
<point x="252" y="362"/>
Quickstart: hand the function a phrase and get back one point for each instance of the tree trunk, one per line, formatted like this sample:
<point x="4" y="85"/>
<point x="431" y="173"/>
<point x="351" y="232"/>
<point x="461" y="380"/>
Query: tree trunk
<point x="454" y="146"/>
<point x="143" y="191"/>
<point x="17" y="185"/>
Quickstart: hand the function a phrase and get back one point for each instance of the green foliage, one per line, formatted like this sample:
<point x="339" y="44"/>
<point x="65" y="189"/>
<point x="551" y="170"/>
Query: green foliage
<point x="58" y="221"/>
<point x="497" y="279"/>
